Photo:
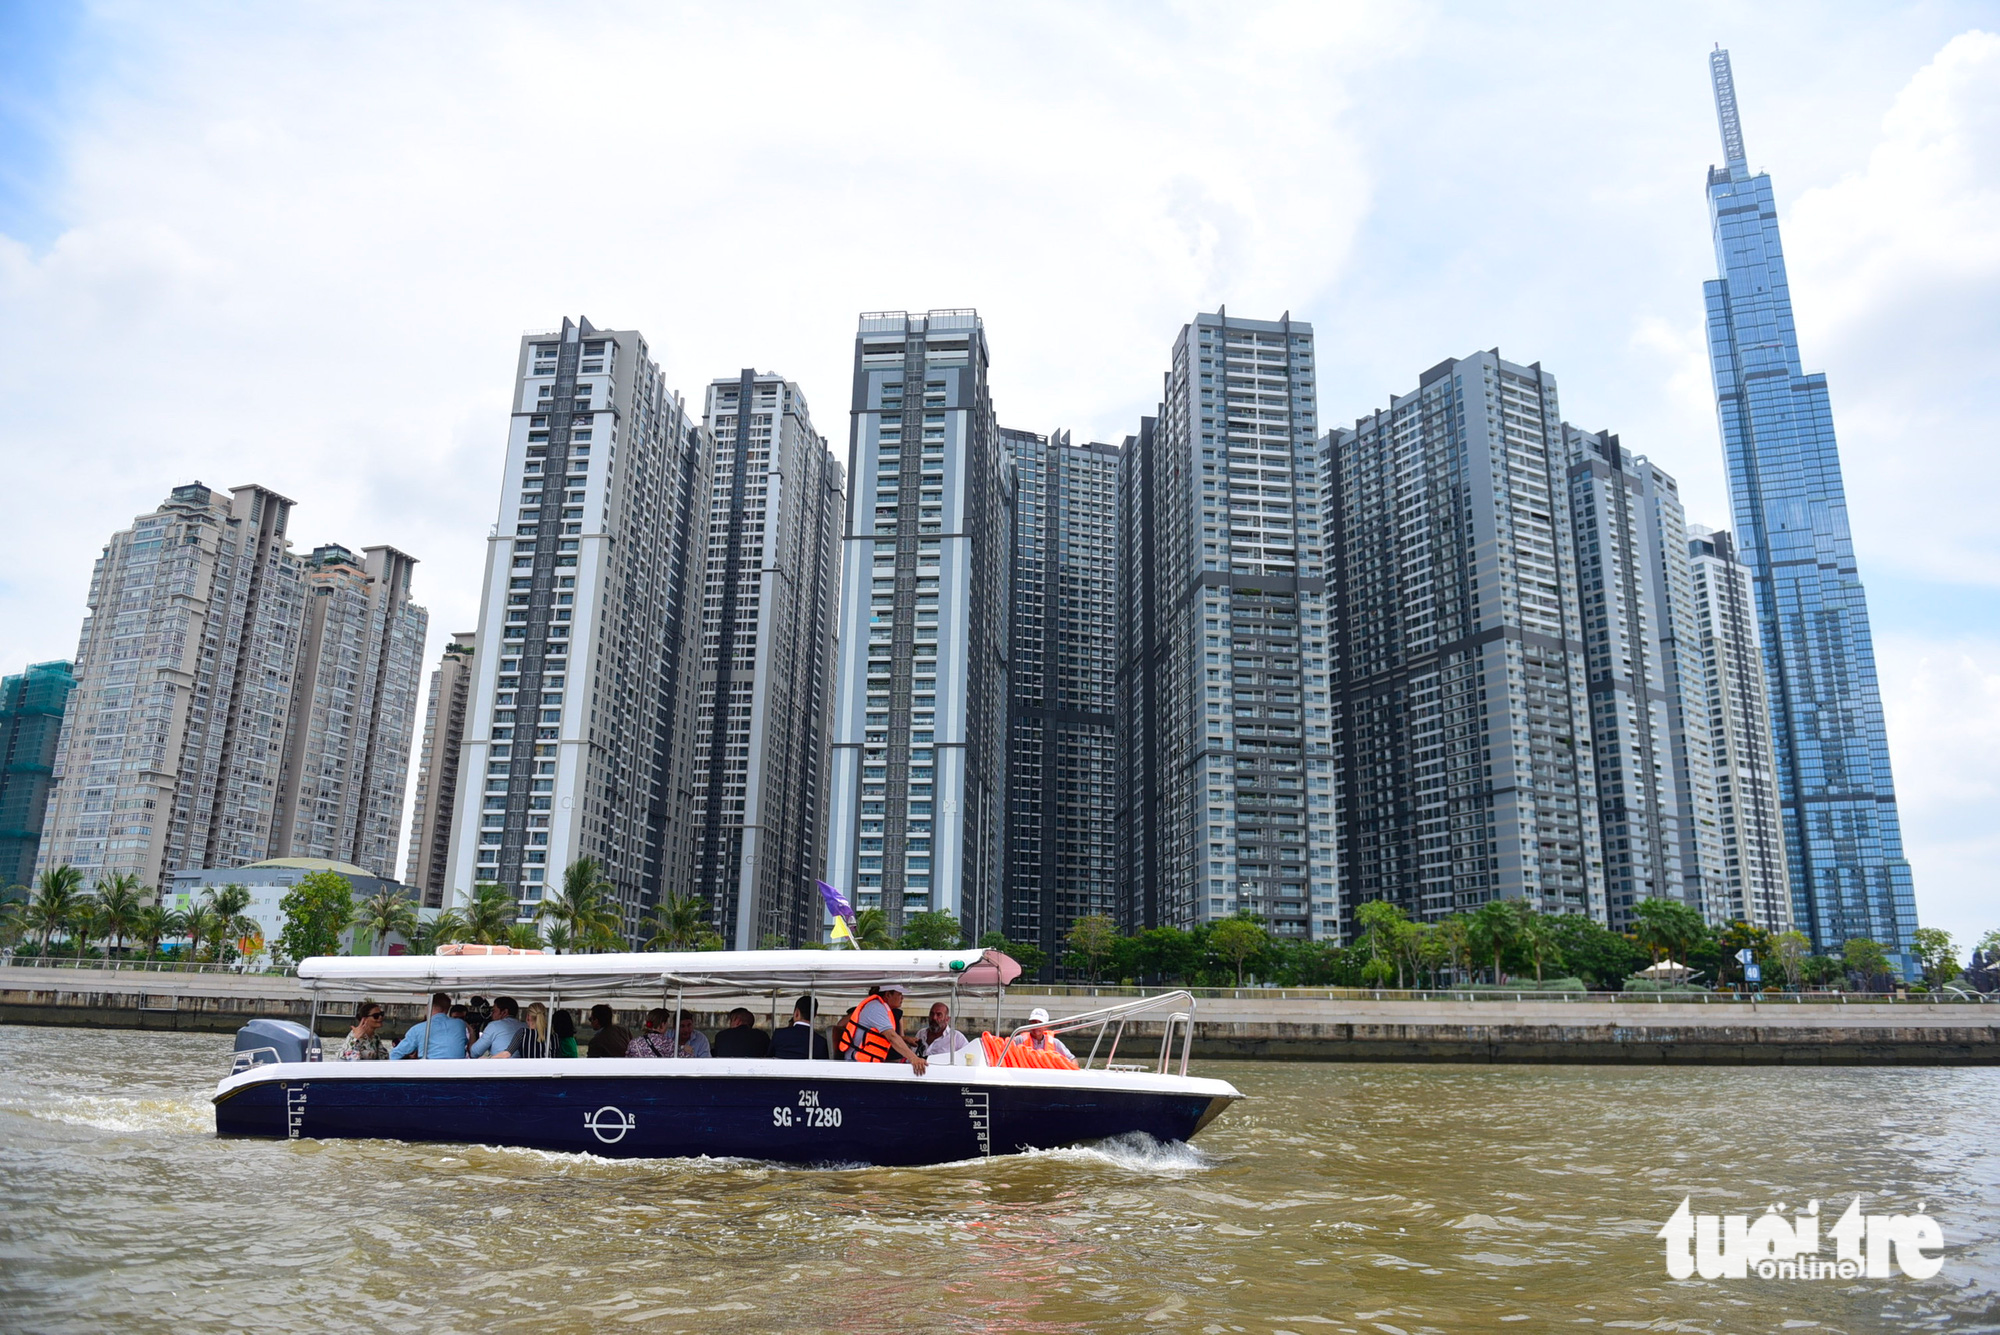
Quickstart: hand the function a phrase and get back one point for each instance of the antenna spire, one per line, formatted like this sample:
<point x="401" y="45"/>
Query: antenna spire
<point x="1725" y="105"/>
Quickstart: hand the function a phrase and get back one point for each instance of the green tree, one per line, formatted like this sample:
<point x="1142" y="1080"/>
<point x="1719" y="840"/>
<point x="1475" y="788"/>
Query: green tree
<point x="1089" y="942"/>
<point x="1867" y="959"/>
<point x="231" y="923"/>
<point x="1542" y="941"/>
<point x="1602" y="958"/>
<point x="386" y="913"/>
<point x="583" y="907"/>
<point x="1492" y="931"/>
<point x="935" y="930"/>
<point x="119" y="900"/>
<point x="84" y="925"/>
<point x="57" y="891"/>
<point x="1740" y="935"/>
<point x="1381" y="924"/>
<point x="156" y="923"/>
<point x="1821" y="970"/>
<point x="491" y="914"/>
<point x="1666" y="926"/>
<point x="871" y="930"/>
<point x="13" y="915"/>
<point x="1936" y="954"/>
<point x="1455" y="936"/>
<point x="678" y="922"/>
<point x="1238" y="940"/>
<point x="1790" y="950"/>
<point x="1158" y="955"/>
<point x="443" y="929"/>
<point x="200" y="925"/>
<point x="1316" y="964"/>
<point x="317" y="911"/>
<point x="1989" y="943"/>
<point x="524" y="936"/>
<point x="1027" y="954"/>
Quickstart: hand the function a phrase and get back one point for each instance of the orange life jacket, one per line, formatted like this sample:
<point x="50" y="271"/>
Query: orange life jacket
<point x="855" y="1043"/>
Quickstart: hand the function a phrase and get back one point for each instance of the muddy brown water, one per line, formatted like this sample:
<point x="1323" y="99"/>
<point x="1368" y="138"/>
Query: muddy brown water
<point x="1368" y="1199"/>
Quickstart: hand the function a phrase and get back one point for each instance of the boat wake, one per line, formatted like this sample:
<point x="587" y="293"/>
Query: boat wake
<point x="1137" y="1153"/>
<point x="111" y="1113"/>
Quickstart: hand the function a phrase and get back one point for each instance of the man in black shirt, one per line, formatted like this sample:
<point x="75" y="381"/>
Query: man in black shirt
<point x="611" y="1038"/>
<point x="742" y="1038"/>
<point x="798" y="1041"/>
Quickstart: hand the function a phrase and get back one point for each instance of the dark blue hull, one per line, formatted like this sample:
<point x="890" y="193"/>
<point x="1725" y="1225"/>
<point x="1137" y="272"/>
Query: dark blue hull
<point x="790" y="1115"/>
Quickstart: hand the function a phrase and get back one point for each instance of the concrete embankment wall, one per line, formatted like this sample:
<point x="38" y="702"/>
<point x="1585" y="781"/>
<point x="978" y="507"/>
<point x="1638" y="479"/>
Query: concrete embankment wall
<point x="1288" y="1028"/>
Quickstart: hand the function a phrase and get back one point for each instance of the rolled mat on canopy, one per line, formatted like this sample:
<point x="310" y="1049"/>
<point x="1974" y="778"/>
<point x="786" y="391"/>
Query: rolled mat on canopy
<point x="691" y="974"/>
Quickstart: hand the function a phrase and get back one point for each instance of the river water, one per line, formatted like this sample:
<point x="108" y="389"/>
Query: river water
<point x="1391" y="1199"/>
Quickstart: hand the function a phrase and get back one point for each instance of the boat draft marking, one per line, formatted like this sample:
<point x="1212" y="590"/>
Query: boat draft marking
<point x="979" y="1108"/>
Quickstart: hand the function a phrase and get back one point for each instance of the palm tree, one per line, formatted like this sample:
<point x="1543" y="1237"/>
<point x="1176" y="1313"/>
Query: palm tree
<point x="523" y="936"/>
<point x="85" y="925"/>
<point x="56" y="893"/>
<point x="581" y="907"/>
<point x="557" y="938"/>
<point x="387" y="913"/>
<point x="119" y="900"/>
<point x="446" y="927"/>
<point x="1491" y="929"/>
<point x="491" y="914"/>
<point x="1540" y="939"/>
<point x="155" y="923"/>
<point x="678" y="923"/>
<point x="871" y="930"/>
<point x="13" y="915"/>
<point x="231" y="924"/>
<point x="199" y="925"/>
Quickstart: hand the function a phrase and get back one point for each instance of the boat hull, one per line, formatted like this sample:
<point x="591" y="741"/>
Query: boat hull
<point x="788" y="1112"/>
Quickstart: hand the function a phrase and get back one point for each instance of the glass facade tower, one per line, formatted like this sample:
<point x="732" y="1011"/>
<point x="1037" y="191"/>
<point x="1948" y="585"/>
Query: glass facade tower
<point x="1843" y="841"/>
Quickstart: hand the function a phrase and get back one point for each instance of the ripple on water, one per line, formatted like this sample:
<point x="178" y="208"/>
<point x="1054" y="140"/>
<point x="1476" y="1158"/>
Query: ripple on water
<point x="1336" y="1198"/>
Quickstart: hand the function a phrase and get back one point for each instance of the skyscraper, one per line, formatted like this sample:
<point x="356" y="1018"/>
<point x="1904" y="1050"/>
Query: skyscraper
<point x="1843" y="840"/>
<point x="1754" y="886"/>
<point x="1227" y="799"/>
<point x="579" y="732"/>
<point x="1462" y="683"/>
<point x="920" y="713"/>
<point x="31" y="715"/>
<point x="1648" y="698"/>
<point x="1062" y="776"/>
<point x="353" y="708"/>
<point x="432" y="815"/>
<point x="183" y="748"/>
<point x="763" y="725"/>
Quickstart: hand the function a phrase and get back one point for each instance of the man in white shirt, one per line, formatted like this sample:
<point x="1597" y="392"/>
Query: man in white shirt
<point x="1037" y="1036"/>
<point x="937" y="1039"/>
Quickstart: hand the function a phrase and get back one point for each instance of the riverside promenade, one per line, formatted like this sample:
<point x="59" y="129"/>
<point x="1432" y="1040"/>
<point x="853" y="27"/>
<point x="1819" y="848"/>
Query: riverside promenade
<point x="1295" y="1024"/>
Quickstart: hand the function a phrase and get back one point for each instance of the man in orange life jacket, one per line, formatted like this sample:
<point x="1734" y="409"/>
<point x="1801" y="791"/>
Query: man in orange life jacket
<point x="871" y="1033"/>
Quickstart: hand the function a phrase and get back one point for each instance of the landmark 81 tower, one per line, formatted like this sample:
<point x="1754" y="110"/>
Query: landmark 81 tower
<point x="1845" y="845"/>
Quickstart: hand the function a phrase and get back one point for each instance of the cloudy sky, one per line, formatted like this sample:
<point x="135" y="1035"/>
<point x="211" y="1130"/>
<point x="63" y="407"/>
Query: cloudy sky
<point x="297" y="245"/>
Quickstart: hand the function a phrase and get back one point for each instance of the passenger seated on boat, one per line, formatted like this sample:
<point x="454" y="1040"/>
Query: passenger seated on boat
<point x="659" y="1039"/>
<point x="533" y="1039"/>
<point x="874" y="1031"/>
<point x="364" y="1041"/>
<point x="798" y="1041"/>
<point x="564" y="1026"/>
<point x="1039" y="1038"/>
<point x="478" y="1012"/>
<point x="741" y="1038"/>
<point x="611" y="1038"/>
<point x="442" y="1035"/>
<point x="498" y="1036"/>
<point x="937" y="1038"/>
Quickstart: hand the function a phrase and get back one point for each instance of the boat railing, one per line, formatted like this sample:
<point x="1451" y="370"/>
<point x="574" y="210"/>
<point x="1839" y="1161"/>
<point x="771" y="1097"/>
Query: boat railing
<point x="249" y="1057"/>
<point x="1111" y="1021"/>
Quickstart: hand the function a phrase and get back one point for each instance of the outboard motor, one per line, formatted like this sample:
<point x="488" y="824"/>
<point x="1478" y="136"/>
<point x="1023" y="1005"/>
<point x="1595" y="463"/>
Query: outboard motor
<point x="262" y="1042"/>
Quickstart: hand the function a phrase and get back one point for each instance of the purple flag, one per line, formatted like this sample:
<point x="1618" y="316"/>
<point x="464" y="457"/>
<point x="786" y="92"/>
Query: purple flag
<point x="836" y="903"/>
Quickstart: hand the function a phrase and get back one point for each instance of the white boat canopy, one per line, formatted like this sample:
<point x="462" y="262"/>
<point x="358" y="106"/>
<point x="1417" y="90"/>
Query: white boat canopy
<point x="660" y="974"/>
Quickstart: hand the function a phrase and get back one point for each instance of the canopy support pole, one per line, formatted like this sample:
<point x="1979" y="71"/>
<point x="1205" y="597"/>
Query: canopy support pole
<point x="679" y="988"/>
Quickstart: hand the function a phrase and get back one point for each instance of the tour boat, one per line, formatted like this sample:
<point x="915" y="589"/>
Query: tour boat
<point x="982" y="1102"/>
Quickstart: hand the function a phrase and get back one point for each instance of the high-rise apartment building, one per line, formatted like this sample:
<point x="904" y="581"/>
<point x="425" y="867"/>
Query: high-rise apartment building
<point x="763" y="710"/>
<point x="180" y="744"/>
<point x="1062" y="776"/>
<point x="436" y="805"/>
<point x="1227" y="799"/>
<point x="579" y="736"/>
<point x="353" y="708"/>
<point x="1754" y="885"/>
<point x="31" y="715"/>
<point x="920" y="728"/>
<point x="1462" y="684"/>
<point x="1843" y="840"/>
<point x="1648" y="698"/>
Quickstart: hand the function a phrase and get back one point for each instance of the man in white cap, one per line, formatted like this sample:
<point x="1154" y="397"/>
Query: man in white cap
<point x="873" y="1032"/>
<point x="1037" y="1036"/>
